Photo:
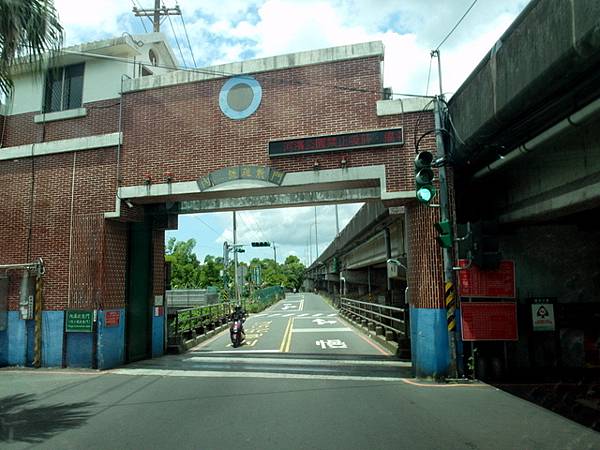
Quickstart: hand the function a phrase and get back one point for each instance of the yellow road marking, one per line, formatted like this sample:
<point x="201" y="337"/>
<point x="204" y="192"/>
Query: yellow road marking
<point x="289" y="341"/>
<point x="285" y="335"/>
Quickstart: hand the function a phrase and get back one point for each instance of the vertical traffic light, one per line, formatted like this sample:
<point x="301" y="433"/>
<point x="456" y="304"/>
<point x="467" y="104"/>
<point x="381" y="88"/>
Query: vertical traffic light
<point x="444" y="228"/>
<point x="424" y="177"/>
<point x="485" y="246"/>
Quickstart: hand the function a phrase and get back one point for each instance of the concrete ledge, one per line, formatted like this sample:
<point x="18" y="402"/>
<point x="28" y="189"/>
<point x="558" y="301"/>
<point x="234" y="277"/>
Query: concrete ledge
<point x="326" y="55"/>
<point x="60" y="115"/>
<point x="404" y="105"/>
<point x="61" y="146"/>
<point x="191" y="343"/>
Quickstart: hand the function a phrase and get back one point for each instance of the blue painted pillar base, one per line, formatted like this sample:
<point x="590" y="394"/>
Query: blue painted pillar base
<point x="429" y="342"/>
<point x="111" y="340"/>
<point x="158" y="335"/>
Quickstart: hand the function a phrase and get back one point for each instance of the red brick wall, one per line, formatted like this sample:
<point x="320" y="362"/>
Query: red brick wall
<point x="425" y="277"/>
<point x="181" y="129"/>
<point x="102" y="117"/>
<point x="50" y="215"/>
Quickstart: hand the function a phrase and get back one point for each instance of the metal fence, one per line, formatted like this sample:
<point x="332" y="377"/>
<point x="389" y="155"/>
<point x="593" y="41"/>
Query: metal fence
<point x="389" y="318"/>
<point x="186" y="323"/>
<point x="180" y="298"/>
<point x="269" y="294"/>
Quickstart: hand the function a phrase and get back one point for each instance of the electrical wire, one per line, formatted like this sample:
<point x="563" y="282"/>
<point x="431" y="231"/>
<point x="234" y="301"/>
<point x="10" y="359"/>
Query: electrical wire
<point x="188" y="40"/>
<point x="231" y="74"/>
<point x="136" y="5"/>
<point x="176" y="40"/>
<point x="429" y="74"/>
<point x="218" y="233"/>
<point x="456" y="26"/>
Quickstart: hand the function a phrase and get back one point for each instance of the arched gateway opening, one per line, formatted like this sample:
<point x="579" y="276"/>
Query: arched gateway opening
<point x="97" y="191"/>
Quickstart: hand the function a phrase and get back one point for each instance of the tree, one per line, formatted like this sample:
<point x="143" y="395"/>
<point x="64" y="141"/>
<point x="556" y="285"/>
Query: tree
<point x="293" y="270"/>
<point x="28" y="29"/>
<point x="185" y="268"/>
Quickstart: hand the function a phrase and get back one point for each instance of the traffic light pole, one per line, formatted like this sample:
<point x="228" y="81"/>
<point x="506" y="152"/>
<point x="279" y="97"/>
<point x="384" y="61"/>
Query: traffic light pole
<point x="449" y="286"/>
<point x="235" y="260"/>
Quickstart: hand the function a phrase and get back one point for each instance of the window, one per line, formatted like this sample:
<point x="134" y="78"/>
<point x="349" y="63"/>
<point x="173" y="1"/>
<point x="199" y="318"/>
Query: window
<point x="64" y="88"/>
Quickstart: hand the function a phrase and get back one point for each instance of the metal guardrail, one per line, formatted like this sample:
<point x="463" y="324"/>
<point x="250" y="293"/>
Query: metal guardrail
<point x="388" y="317"/>
<point x="188" y="322"/>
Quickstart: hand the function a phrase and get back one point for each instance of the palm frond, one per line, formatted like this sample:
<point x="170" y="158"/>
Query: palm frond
<point x="29" y="30"/>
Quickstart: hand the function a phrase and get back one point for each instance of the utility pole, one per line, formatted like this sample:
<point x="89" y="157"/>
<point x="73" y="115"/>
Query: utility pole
<point x="449" y="285"/>
<point x="274" y="252"/>
<point x="235" y="260"/>
<point x="155" y="14"/>
<point x="337" y="221"/>
<point x="310" y="244"/>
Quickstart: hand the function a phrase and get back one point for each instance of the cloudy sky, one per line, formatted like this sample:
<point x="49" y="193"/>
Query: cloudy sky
<point x="223" y="31"/>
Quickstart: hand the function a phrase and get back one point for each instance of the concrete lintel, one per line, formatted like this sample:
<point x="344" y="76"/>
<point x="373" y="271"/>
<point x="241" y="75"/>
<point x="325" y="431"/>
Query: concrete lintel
<point x="61" y="146"/>
<point x="291" y="180"/>
<point x="280" y="200"/>
<point x="404" y="105"/>
<point x="333" y="54"/>
<point x="60" y="115"/>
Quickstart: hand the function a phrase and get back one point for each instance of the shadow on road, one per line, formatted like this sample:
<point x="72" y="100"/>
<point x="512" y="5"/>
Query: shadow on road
<point x="21" y="420"/>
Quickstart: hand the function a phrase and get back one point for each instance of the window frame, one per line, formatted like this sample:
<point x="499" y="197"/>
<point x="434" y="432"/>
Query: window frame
<point x="60" y="73"/>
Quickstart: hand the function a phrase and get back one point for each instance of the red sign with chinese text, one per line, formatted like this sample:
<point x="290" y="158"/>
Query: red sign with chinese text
<point x="112" y="318"/>
<point x="487" y="321"/>
<point x="498" y="283"/>
<point x="336" y="142"/>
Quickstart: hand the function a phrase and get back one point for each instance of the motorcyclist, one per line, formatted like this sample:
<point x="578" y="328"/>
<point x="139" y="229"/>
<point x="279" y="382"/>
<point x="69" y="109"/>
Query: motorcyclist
<point x="239" y="314"/>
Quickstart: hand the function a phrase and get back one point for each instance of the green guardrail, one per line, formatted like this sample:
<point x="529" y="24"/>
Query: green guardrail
<point x="184" y="323"/>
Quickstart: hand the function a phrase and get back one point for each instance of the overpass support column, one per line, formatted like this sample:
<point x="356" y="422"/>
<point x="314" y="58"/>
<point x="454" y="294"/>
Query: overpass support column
<point x="428" y="327"/>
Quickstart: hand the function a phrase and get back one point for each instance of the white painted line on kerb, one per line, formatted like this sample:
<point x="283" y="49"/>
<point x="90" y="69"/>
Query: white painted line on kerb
<point x="217" y="374"/>
<point x="319" y="330"/>
<point x="301" y="362"/>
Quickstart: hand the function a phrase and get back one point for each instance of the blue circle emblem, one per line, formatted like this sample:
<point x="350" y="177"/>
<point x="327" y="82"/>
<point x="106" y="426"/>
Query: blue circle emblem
<point x="240" y="97"/>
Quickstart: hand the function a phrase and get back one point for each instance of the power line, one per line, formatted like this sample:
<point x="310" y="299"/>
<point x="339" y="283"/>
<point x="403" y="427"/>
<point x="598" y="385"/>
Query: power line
<point x="176" y="40"/>
<point x="188" y="41"/>
<point x="457" y="24"/>
<point x="137" y="5"/>
<point x="241" y="75"/>
<point x="208" y="226"/>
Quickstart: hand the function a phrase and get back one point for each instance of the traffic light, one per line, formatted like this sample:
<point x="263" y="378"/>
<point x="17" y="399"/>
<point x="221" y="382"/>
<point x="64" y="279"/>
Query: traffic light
<point x="444" y="228"/>
<point x="261" y="244"/>
<point x="424" y="177"/>
<point x="485" y="246"/>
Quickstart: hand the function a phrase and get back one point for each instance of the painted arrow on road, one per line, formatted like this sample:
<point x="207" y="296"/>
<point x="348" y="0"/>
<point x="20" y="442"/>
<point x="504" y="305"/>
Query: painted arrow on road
<point x="324" y="322"/>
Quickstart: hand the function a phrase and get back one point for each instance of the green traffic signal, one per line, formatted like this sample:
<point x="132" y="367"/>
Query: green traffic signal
<point x="425" y="191"/>
<point x="444" y="228"/>
<point x="261" y="244"/>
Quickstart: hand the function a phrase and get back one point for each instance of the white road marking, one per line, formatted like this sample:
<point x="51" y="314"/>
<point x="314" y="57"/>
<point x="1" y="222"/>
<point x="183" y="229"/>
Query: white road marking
<point x="332" y="315"/>
<point x="302" y="315"/>
<point x="301" y="362"/>
<point x="324" y="322"/>
<point x="319" y="330"/>
<point x="217" y="374"/>
<point x="239" y="351"/>
<point x="317" y="315"/>
<point x="288" y="315"/>
<point x="273" y="315"/>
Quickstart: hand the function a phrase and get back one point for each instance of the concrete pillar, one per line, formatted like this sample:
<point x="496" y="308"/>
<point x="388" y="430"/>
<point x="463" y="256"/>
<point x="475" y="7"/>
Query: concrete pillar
<point x="429" y="335"/>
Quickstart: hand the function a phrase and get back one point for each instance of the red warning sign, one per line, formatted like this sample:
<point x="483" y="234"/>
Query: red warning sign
<point x="498" y="283"/>
<point x="487" y="321"/>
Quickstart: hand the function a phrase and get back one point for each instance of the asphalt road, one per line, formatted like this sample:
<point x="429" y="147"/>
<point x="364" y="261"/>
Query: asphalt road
<point x="304" y="397"/>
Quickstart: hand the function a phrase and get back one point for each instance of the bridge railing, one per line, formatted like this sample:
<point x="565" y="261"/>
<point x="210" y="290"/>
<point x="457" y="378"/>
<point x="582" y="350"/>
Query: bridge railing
<point x="187" y="323"/>
<point x="389" y="318"/>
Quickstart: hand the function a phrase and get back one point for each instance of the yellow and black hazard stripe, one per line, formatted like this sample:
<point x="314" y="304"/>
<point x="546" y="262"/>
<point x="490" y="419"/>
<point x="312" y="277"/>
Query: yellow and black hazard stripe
<point x="450" y="296"/>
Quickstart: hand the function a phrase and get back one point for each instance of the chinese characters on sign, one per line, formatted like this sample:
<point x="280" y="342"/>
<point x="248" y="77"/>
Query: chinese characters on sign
<point x="498" y="283"/>
<point x="487" y="321"/>
<point x="112" y="318"/>
<point x="79" y="321"/>
<point x="542" y="314"/>
<point x="347" y="141"/>
<point x="261" y="173"/>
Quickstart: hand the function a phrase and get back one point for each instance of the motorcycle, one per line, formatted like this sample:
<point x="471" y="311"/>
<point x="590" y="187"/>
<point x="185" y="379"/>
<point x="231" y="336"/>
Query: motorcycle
<point x="236" y="333"/>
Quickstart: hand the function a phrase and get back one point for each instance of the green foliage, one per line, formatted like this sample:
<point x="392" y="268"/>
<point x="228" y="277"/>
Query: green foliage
<point x="188" y="273"/>
<point x="28" y="29"/>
